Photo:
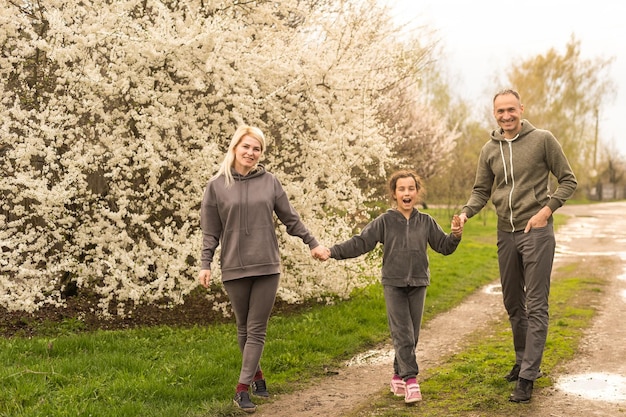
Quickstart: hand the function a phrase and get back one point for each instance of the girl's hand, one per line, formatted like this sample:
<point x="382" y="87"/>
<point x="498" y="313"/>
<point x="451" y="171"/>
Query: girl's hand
<point x="321" y="253"/>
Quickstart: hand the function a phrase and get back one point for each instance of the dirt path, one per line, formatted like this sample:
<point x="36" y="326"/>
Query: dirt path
<point x="594" y="384"/>
<point x="594" y="230"/>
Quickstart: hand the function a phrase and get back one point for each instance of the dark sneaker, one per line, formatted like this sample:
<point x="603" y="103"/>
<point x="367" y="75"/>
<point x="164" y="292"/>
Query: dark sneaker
<point x="259" y="388"/>
<point x="514" y="374"/>
<point x="523" y="391"/>
<point x="242" y="400"/>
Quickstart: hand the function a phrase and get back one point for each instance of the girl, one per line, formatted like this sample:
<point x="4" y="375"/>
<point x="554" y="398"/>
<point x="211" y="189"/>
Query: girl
<point x="405" y="233"/>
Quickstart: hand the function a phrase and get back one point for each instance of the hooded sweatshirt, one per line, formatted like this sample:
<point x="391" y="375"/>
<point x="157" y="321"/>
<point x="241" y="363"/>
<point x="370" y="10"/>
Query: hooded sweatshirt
<point x="520" y="169"/>
<point x="405" y="256"/>
<point x="241" y="219"/>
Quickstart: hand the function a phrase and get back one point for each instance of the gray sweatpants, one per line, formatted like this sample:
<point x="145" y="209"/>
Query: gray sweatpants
<point x="252" y="299"/>
<point x="405" y="308"/>
<point x="525" y="261"/>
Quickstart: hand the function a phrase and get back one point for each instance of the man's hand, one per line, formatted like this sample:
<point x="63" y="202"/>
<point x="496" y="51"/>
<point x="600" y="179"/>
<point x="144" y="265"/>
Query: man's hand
<point x="539" y="220"/>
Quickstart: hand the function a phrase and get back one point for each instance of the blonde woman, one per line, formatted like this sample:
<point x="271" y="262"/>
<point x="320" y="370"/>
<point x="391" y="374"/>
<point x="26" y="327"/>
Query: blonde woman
<point x="237" y="212"/>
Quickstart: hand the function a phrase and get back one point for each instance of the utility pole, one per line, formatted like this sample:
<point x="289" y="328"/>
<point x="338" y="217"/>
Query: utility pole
<point x="594" y="172"/>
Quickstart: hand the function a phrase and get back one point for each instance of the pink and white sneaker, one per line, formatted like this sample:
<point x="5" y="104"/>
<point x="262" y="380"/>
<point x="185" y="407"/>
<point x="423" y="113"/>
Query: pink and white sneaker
<point x="412" y="392"/>
<point x="397" y="386"/>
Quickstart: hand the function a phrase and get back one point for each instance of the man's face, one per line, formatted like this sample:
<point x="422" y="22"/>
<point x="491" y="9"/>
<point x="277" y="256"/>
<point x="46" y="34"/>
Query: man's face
<point x="508" y="113"/>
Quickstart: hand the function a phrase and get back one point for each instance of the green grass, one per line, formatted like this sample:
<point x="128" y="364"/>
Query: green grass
<point x="166" y="371"/>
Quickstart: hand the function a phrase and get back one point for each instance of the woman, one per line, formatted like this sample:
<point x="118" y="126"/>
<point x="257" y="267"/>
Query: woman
<point x="237" y="212"/>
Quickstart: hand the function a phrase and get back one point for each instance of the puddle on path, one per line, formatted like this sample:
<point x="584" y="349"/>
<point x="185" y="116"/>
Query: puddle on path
<point x="595" y="386"/>
<point x="563" y="250"/>
<point x="372" y="357"/>
<point x="493" y="289"/>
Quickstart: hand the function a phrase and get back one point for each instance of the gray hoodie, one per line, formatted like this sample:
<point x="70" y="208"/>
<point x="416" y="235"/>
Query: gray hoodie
<point x="520" y="170"/>
<point x="241" y="219"/>
<point x="405" y="256"/>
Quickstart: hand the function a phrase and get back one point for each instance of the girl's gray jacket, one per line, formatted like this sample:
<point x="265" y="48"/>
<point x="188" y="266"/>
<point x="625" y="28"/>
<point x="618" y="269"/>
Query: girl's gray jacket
<point x="405" y="256"/>
<point x="241" y="219"/>
<point x="518" y="173"/>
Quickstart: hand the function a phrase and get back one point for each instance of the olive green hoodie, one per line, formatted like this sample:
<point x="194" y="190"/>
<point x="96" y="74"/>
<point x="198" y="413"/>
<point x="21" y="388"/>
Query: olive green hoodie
<point x="518" y="173"/>
<point x="241" y="219"/>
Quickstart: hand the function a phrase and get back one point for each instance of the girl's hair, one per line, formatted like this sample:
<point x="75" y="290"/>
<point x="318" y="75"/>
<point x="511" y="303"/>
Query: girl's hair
<point x="229" y="159"/>
<point x="405" y="173"/>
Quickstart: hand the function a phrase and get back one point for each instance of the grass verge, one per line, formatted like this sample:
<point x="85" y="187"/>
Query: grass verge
<point x="187" y="372"/>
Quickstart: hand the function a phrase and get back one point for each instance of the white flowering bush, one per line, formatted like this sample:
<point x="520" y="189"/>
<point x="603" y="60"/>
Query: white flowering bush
<point x="114" y="114"/>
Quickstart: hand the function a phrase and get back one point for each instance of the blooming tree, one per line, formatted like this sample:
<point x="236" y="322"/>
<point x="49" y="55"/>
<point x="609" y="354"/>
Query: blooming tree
<point x="114" y="114"/>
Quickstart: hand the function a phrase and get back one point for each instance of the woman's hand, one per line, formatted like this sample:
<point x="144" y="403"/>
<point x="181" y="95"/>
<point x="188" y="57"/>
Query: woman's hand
<point x="205" y="277"/>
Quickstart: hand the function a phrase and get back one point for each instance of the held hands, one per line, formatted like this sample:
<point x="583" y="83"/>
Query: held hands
<point x="457" y="225"/>
<point x="321" y="253"/>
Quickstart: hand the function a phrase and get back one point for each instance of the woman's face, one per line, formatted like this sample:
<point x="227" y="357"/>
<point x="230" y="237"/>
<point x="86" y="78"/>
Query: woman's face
<point x="247" y="154"/>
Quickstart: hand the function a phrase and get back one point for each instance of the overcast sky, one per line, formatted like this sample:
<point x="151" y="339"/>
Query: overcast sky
<point x="482" y="37"/>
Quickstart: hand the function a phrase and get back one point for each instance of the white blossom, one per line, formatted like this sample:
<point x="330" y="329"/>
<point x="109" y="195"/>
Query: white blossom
<point x="114" y="116"/>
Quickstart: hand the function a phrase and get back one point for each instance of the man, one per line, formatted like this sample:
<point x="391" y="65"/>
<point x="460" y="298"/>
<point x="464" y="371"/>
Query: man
<point x="518" y="159"/>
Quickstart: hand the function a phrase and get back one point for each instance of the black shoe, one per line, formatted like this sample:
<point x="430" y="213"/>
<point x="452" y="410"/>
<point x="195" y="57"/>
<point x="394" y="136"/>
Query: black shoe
<point x="259" y="388"/>
<point x="514" y="374"/>
<point x="523" y="391"/>
<point x="242" y="400"/>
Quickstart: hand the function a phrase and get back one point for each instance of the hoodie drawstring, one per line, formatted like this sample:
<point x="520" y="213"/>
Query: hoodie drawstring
<point x="246" y="209"/>
<point x="506" y="178"/>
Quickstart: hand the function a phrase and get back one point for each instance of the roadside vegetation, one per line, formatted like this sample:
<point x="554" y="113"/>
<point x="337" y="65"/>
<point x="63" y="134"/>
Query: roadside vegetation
<point x="165" y="370"/>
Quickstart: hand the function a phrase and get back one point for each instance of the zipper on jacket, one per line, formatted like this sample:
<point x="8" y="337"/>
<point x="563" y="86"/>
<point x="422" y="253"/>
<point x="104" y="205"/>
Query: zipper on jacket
<point x="510" y="143"/>
<point x="407" y="234"/>
<point x="242" y="217"/>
